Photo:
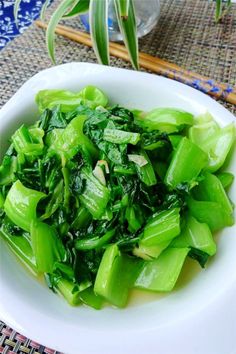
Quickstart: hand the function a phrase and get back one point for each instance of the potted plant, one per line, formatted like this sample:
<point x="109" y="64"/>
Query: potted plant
<point x="122" y="13"/>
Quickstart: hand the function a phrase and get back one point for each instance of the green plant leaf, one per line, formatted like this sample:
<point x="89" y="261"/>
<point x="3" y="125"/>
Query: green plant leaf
<point x="124" y="8"/>
<point x="56" y="17"/>
<point x="98" y="20"/>
<point x="218" y="11"/>
<point x="43" y="10"/>
<point x="227" y="7"/>
<point x="222" y="8"/>
<point x="128" y="29"/>
<point x="16" y="10"/>
<point x="80" y="7"/>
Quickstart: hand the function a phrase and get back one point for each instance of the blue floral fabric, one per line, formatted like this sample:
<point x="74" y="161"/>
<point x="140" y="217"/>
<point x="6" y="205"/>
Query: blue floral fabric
<point x="29" y="10"/>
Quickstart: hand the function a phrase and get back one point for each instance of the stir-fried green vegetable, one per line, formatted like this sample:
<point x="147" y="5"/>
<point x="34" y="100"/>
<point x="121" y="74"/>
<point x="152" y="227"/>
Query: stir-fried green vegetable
<point x="101" y="199"/>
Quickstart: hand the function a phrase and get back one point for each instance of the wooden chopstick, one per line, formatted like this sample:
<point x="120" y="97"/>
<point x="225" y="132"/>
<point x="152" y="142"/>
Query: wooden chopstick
<point x="157" y="65"/>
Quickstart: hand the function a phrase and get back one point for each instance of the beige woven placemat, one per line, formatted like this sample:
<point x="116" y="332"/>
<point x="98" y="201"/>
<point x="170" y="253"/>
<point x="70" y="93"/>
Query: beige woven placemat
<point x="186" y="35"/>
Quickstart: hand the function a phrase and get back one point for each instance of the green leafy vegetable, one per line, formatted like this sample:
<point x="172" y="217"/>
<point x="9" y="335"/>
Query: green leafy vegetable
<point x="100" y="199"/>
<point x="146" y="172"/>
<point x="181" y="168"/>
<point x="167" y="120"/>
<point x="47" y="248"/>
<point x="68" y="291"/>
<point x="200" y="256"/>
<point x="197" y="236"/>
<point x="161" y="228"/>
<point x="161" y="274"/>
<point x="95" y="196"/>
<point x="210" y="213"/>
<point x="211" y="189"/>
<point x="120" y="137"/>
<point x="8" y="170"/>
<point x="115" y="276"/>
<point x="19" y="243"/>
<point x="226" y="179"/>
<point x="69" y="101"/>
<point x="214" y="141"/>
<point x="20" y="205"/>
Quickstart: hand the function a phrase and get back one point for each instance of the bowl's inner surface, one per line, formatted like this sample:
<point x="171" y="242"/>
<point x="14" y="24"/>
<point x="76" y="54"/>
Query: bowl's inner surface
<point x="197" y="287"/>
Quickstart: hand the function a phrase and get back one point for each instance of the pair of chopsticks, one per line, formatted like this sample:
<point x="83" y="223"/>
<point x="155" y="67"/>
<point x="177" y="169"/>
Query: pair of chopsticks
<point x="156" y="65"/>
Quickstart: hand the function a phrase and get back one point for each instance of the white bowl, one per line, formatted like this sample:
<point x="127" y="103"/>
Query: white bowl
<point x="199" y="317"/>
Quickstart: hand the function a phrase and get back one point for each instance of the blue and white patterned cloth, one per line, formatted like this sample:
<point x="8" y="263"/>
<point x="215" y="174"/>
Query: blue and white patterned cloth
<point x="28" y="12"/>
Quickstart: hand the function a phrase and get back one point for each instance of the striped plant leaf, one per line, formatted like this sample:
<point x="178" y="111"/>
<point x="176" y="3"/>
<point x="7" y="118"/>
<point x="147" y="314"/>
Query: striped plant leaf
<point x="16" y="10"/>
<point x="43" y="10"/>
<point x="80" y="7"/>
<point x="56" y="17"/>
<point x="128" y="29"/>
<point x="218" y="11"/>
<point x="124" y="8"/>
<point x="222" y="8"/>
<point x="98" y="20"/>
<point x="227" y="7"/>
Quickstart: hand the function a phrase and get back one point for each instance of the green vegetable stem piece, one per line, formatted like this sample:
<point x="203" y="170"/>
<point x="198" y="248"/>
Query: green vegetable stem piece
<point x="95" y="242"/>
<point x="82" y="219"/>
<point x="226" y="179"/>
<point x="26" y="143"/>
<point x="116" y="274"/>
<point x="160" y="168"/>
<point x="196" y="235"/>
<point x="162" y="227"/>
<point x="120" y="137"/>
<point x="175" y="139"/>
<point x="214" y="141"/>
<point x="211" y="213"/>
<point x="124" y="170"/>
<point x="74" y="294"/>
<point x="88" y="297"/>
<point x="47" y="247"/>
<point x="69" y="101"/>
<point x="21" y="247"/>
<point x="162" y="273"/>
<point x="53" y="136"/>
<point x="95" y="195"/>
<point x="68" y="290"/>
<point x="186" y="164"/>
<point x="54" y="202"/>
<point x="72" y="139"/>
<point x="167" y="120"/>
<point x="7" y="170"/>
<point x="21" y="203"/>
<point x="2" y="200"/>
<point x="210" y="189"/>
<point x="150" y="252"/>
<point x="146" y="173"/>
<point x="202" y="131"/>
<point x="133" y="218"/>
<point x="93" y="97"/>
